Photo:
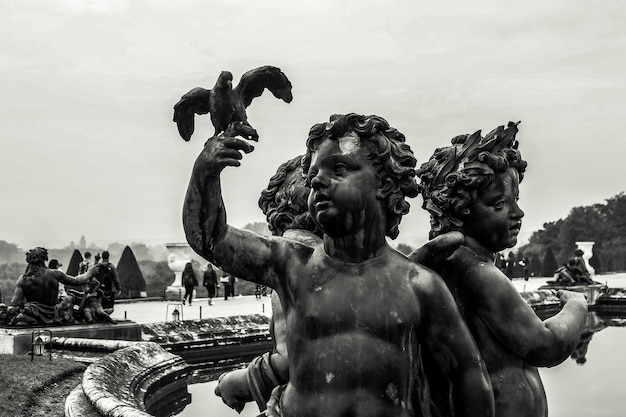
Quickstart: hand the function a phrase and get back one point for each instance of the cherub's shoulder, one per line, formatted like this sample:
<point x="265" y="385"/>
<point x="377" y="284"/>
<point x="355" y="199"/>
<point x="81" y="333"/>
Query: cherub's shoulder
<point x="477" y="275"/>
<point x="424" y="279"/>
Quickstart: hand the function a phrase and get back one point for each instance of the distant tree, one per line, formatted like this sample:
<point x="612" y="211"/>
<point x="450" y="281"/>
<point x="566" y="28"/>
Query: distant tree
<point x="549" y="263"/>
<point x="404" y="248"/>
<point x="75" y="260"/>
<point x="9" y="273"/>
<point x="82" y="243"/>
<point x="140" y="250"/>
<point x="131" y="278"/>
<point x="10" y="252"/>
<point x="157" y="276"/>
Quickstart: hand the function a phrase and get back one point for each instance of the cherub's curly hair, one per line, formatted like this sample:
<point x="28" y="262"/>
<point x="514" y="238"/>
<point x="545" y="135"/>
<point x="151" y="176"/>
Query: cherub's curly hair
<point x="386" y="147"/>
<point x="455" y="175"/>
<point x="285" y="203"/>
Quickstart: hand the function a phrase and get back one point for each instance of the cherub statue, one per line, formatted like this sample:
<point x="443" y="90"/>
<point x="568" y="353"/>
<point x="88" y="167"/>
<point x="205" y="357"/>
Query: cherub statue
<point x="472" y="187"/>
<point x="284" y="203"/>
<point x="358" y="312"/>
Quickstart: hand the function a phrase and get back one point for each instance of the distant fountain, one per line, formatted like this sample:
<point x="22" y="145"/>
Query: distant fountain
<point x="587" y="248"/>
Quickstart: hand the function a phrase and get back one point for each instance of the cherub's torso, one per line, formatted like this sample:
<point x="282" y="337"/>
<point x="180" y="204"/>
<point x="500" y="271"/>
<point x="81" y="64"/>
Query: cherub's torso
<point x="352" y="336"/>
<point x="517" y="386"/>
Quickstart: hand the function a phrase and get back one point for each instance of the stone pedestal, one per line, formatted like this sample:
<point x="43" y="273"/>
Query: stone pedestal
<point x="587" y="247"/>
<point x="178" y="256"/>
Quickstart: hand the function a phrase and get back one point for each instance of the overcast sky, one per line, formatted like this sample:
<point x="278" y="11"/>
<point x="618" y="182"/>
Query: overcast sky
<point x="88" y="146"/>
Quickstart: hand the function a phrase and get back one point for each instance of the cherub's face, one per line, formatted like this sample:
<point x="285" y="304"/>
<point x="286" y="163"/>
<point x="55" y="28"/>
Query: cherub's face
<point x="344" y="186"/>
<point x="495" y="219"/>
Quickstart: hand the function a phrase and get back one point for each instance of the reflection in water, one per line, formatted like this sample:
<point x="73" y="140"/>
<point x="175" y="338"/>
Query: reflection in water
<point x="206" y="404"/>
<point x="595" y="389"/>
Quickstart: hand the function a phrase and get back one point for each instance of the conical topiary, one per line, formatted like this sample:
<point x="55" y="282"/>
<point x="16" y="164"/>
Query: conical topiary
<point x="549" y="263"/>
<point x="75" y="260"/>
<point x="131" y="278"/>
<point x="536" y="267"/>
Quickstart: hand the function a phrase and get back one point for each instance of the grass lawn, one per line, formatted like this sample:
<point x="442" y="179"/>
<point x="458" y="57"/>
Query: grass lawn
<point x="38" y="388"/>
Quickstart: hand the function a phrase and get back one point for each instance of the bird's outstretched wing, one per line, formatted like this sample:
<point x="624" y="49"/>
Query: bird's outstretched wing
<point x="196" y="101"/>
<point x="253" y="83"/>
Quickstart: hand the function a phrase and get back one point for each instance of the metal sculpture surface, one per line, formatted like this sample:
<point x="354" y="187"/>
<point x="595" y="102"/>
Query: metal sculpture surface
<point x="472" y="187"/>
<point x="358" y="312"/>
<point x="227" y="105"/>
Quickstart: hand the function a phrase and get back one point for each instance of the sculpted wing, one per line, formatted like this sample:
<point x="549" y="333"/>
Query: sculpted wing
<point x="196" y="101"/>
<point x="255" y="81"/>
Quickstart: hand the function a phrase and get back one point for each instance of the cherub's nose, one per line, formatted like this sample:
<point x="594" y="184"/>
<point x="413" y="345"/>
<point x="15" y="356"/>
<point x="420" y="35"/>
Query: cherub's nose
<point x="319" y="181"/>
<point x="518" y="213"/>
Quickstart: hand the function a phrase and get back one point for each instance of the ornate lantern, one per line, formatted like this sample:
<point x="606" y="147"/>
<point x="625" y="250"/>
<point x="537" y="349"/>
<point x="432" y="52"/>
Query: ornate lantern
<point x="38" y="343"/>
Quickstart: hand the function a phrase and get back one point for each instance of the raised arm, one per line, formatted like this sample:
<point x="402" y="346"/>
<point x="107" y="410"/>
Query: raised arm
<point x="77" y="280"/>
<point x="451" y="345"/>
<point x="242" y="253"/>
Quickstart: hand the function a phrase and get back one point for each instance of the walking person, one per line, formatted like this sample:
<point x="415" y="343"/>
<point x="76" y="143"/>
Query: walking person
<point x="233" y="280"/>
<point x="209" y="281"/>
<point x="189" y="282"/>
<point x="225" y="280"/>
<point x="109" y="282"/>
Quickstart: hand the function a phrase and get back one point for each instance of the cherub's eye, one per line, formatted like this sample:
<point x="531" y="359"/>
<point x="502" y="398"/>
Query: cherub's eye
<point x="499" y="205"/>
<point x="340" y="169"/>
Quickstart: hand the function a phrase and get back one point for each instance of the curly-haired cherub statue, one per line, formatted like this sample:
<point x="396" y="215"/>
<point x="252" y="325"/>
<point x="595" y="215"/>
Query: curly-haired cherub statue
<point x="358" y="312"/>
<point x="472" y="187"/>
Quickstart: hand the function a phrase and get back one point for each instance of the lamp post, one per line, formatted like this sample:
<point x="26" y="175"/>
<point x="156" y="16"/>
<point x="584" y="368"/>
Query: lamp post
<point x="38" y="343"/>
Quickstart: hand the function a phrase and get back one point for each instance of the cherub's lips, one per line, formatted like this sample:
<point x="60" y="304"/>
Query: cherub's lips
<point x="321" y="201"/>
<point x="516" y="227"/>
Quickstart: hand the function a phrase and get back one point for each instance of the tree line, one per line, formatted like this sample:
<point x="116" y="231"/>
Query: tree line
<point x="602" y="223"/>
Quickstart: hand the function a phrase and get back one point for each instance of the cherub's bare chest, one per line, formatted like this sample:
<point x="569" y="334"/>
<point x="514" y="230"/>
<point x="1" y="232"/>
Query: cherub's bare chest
<point x="374" y="301"/>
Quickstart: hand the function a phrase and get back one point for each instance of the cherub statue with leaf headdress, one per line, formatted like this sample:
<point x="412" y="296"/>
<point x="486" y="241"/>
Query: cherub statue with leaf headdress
<point x="472" y="187"/>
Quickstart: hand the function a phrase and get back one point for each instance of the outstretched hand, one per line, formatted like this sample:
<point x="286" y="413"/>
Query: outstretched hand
<point x="566" y="295"/>
<point x="437" y="249"/>
<point x="222" y="151"/>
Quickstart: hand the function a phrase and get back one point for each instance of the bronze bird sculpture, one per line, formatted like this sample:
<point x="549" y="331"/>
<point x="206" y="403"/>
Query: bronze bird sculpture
<point x="227" y="105"/>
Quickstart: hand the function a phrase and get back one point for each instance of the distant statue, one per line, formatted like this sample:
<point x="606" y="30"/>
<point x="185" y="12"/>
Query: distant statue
<point x="574" y="272"/>
<point x="359" y="312"/>
<point x="472" y="187"/>
<point x="37" y="292"/>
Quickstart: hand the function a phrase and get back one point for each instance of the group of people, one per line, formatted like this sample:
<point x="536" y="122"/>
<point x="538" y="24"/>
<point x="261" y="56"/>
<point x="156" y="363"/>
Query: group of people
<point x="209" y="281"/>
<point x="43" y="295"/>
<point x="510" y="266"/>
<point x="360" y="329"/>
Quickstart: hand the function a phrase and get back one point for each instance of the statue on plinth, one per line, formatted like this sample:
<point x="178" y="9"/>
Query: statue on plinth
<point x="359" y="313"/>
<point x="472" y="187"/>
